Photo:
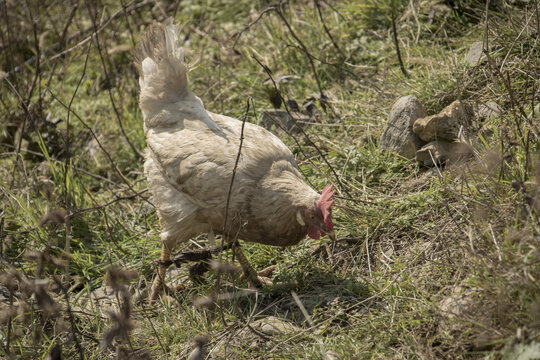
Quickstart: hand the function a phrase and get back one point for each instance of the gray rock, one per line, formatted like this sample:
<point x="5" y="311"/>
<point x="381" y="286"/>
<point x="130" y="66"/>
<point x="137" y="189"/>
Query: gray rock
<point x="330" y="355"/>
<point x="100" y="301"/>
<point x="246" y="338"/>
<point x="475" y="53"/>
<point x="92" y="148"/>
<point x="457" y="307"/>
<point x="280" y="119"/>
<point x="453" y="121"/>
<point x="458" y="304"/>
<point x="440" y="152"/>
<point x="523" y="352"/>
<point x="488" y="110"/>
<point x="273" y="326"/>
<point x="398" y="137"/>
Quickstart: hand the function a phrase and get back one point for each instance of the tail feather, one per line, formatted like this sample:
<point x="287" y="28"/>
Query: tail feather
<point x="162" y="70"/>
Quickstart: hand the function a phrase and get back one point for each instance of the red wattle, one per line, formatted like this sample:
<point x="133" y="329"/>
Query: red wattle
<point x="313" y="233"/>
<point x="329" y="224"/>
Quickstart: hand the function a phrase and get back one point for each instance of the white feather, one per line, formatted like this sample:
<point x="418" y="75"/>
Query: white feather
<point x="300" y="219"/>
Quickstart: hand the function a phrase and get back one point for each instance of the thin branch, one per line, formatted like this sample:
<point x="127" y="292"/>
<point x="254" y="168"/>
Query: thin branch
<point x="103" y="25"/>
<point x="235" y="167"/>
<point x="278" y="11"/>
<point x="101" y="206"/>
<point x="63" y="39"/>
<point x="67" y="174"/>
<point x="396" y="41"/>
<point x="341" y="185"/>
<point x="109" y="157"/>
<point x="71" y="317"/>
<point x="318" y="6"/>
<point x="23" y="128"/>
<point x="84" y="171"/>
<point x="238" y="34"/>
<point x="38" y="54"/>
<point x="227" y="203"/>
<point x="154" y="331"/>
<point x="138" y="155"/>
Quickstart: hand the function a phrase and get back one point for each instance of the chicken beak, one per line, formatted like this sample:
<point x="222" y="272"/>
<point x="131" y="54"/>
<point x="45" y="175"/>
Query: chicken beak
<point x="332" y="235"/>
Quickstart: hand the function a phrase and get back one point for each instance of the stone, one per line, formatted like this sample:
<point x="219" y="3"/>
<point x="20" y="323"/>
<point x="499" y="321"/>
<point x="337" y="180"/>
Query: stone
<point x="280" y="119"/>
<point x="523" y="352"/>
<point x="488" y="110"/>
<point x="458" y="304"/>
<point x="475" y="53"/>
<point x="457" y="307"/>
<point x="331" y="355"/>
<point x="453" y="121"/>
<point x="273" y="326"/>
<point x="398" y="137"/>
<point x="443" y="152"/>
<point x="100" y="301"/>
<point x="254" y="337"/>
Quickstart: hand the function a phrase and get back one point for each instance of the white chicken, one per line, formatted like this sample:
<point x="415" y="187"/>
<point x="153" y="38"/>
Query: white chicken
<point x="190" y="159"/>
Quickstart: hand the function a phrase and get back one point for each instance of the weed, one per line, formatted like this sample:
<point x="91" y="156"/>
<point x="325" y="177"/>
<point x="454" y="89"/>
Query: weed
<point x="429" y="263"/>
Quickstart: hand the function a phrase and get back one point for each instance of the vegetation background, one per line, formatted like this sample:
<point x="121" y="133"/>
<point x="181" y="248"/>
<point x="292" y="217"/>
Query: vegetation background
<point x="429" y="263"/>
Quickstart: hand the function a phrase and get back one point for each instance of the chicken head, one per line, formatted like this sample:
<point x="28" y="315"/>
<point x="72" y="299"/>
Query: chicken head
<point x="318" y="218"/>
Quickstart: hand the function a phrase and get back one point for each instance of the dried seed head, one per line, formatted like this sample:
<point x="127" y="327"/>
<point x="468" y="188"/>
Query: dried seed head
<point x="53" y="216"/>
<point x="201" y="340"/>
<point x="205" y="302"/>
<point x="116" y="278"/>
<point x="224" y="267"/>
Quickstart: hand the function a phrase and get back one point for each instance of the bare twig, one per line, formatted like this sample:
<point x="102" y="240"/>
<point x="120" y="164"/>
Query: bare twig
<point x="109" y="157"/>
<point x="10" y="320"/>
<point x="138" y="155"/>
<point x="101" y="206"/>
<point x="229" y="192"/>
<point x="37" y="72"/>
<point x="300" y="45"/>
<point x="308" y="139"/>
<point x="278" y="11"/>
<point x="63" y="39"/>
<point x="84" y="171"/>
<point x="74" y="328"/>
<point x="154" y="331"/>
<point x="238" y="34"/>
<point x="227" y="203"/>
<point x="327" y="30"/>
<point x="67" y="182"/>
<point x="124" y="9"/>
<point x="517" y="107"/>
<point x="103" y="24"/>
<point x="9" y="54"/>
<point x="396" y="41"/>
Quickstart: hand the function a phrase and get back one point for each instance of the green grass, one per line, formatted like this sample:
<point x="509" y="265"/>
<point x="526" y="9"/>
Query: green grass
<point x="409" y="238"/>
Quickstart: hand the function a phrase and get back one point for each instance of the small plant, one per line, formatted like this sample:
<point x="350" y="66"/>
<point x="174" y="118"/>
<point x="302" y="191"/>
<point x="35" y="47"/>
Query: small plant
<point x="428" y="263"/>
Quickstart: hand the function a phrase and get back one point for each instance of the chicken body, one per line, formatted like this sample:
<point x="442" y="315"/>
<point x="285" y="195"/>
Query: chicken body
<point x="191" y="157"/>
<point x="190" y="166"/>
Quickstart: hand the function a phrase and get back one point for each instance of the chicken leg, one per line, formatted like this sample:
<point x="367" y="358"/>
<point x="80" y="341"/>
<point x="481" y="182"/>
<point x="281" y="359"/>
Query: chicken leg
<point x="250" y="273"/>
<point x="159" y="281"/>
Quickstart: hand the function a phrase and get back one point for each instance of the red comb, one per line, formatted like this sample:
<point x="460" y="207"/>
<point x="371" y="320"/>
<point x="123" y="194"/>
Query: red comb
<point x="324" y="203"/>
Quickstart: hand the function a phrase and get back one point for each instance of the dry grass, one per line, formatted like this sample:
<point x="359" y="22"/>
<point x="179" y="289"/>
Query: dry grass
<point x="429" y="263"/>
